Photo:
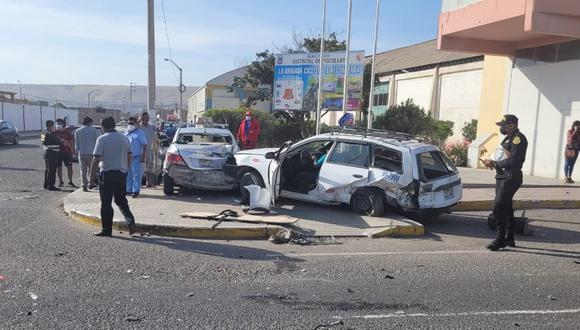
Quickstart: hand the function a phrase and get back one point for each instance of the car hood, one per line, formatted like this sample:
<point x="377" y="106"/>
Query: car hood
<point x="257" y="152"/>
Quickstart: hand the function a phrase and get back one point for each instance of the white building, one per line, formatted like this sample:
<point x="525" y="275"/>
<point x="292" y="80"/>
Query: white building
<point x="218" y="93"/>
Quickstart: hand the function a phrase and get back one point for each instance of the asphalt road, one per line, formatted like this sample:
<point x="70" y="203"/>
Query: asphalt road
<point x="55" y="274"/>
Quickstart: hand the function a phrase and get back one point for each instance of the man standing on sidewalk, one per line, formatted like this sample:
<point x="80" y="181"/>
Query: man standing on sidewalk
<point x="51" y="146"/>
<point x="248" y="132"/>
<point x="66" y="151"/>
<point x="138" y="143"/>
<point x="508" y="180"/>
<point x="113" y="154"/>
<point x="85" y="139"/>
<point x="149" y="131"/>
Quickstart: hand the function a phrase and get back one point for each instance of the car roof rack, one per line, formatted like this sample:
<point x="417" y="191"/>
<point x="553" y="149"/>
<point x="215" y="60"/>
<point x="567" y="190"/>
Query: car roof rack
<point x="366" y="132"/>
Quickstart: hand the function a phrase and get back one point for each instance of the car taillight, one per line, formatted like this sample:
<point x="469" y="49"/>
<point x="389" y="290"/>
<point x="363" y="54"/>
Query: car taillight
<point x="175" y="159"/>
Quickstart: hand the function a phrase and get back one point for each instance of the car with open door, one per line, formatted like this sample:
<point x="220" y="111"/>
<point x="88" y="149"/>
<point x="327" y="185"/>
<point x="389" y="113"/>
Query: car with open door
<point x="370" y="170"/>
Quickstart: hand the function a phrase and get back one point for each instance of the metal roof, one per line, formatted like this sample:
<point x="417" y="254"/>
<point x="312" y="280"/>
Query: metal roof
<point x="419" y="57"/>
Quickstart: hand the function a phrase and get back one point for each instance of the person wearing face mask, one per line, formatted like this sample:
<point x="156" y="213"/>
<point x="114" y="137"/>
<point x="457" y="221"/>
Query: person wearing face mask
<point x="508" y="180"/>
<point x="66" y="152"/>
<point x="571" y="153"/>
<point x="248" y="132"/>
<point x="138" y="143"/>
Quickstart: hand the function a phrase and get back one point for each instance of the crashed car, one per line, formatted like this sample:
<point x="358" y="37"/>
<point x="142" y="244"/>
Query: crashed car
<point x="196" y="159"/>
<point x="369" y="170"/>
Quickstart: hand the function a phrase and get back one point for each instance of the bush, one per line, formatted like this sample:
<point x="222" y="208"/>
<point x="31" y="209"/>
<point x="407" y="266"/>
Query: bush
<point x="408" y="117"/>
<point x="469" y="131"/>
<point x="275" y="129"/>
<point x="457" y="152"/>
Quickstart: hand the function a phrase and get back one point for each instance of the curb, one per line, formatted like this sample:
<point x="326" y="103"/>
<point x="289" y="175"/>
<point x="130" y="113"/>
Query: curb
<point x="487" y="205"/>
<point x="175" y="231"/>
<point x="402" y="231"/>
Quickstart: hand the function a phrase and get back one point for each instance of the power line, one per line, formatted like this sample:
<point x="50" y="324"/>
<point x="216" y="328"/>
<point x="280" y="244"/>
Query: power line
<point x="167" y="38"/>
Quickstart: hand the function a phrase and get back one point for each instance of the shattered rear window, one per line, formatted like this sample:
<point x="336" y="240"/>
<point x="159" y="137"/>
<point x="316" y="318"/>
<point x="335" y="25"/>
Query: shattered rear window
<point x="202" y="138"/>
<point x="433" y="165"/>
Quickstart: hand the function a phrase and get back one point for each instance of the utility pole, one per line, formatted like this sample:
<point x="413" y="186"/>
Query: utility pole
<point x="151" y="52"/>
<point x="320" y="67"/>
<point x="181" y="88"/>
<point x="372" y="91"/>
<point x="20" y="85"/>
<point x="346" y="60"/>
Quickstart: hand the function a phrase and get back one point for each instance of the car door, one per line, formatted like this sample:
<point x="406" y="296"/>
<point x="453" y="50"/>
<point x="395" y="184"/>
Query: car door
<point x="274" y="170"/>
<point x="346" y="167"/>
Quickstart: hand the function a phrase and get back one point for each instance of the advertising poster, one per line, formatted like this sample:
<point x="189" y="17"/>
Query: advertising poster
<point x="296" y="81"/>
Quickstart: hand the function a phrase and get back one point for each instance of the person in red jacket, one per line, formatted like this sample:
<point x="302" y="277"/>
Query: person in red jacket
<point x="248" y="132"/>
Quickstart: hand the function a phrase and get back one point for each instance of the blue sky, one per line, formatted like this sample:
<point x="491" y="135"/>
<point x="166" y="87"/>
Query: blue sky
<point x="105" y="41"/>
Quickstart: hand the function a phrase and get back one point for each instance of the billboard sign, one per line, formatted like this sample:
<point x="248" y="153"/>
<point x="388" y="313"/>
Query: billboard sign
<point x="296" y="81"/>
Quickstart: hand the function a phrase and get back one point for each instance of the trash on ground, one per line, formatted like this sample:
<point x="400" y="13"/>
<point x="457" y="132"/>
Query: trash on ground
<point x="349" y="290"/>
<point x="191" y="294"/>
<point x="60" y="254"/>
<point x="2" y="278"/>
<point x="389" y="277"/>
<point x="231" y="215"/>
<point x="303" y="270"/>
<point x="133" y="319"/>
<point x="33" y="295"/>
<point x="129" y="271"/>
<point x="260" y="198"/>
<point x="145" y="277"/>
<point x="333" y="324"/>
<point x="552" y="298"/>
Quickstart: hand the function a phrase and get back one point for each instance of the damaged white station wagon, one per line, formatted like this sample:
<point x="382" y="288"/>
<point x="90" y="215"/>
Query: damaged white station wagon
<point x="368" y="169"/>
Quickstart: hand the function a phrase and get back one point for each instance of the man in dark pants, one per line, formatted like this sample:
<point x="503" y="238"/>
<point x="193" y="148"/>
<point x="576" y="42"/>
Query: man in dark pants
<point x="113" y="155"/>
<point x="51" y="146"/>
<point x="509" y="179"/>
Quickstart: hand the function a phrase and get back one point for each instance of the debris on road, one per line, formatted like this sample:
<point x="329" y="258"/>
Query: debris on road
<point x="389" y="277"/>
<point x="145" y="277"/>
<point x="129" y="271"/>
<point x="291" y="236"/>
<point x="133" y="319"/>
<point x="60" y="254"/>
<point x="2" y="278"/>
<point x="552" y="298"/>
<point x="191" y="294"/>
<point x="33" y="295"/>
<point x="349" y="290"/>
<point x="329" y="325"/>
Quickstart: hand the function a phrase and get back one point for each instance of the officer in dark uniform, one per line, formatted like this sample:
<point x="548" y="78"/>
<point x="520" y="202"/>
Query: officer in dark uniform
<point x="51" y="146"/>
<point x="507" y="180"/>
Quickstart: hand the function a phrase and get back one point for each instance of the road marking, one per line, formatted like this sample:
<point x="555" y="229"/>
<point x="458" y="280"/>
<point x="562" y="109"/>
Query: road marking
<point x="497" y="313"/>
<point x="353" y="254"/>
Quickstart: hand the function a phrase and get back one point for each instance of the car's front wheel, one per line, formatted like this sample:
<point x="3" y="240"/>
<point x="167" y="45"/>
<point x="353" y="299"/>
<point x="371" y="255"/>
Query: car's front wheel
<point x="168" y="186"/>
<point x="248" y="179"/>
<point x="368" y="201"/>
<point x="15" y="139"/>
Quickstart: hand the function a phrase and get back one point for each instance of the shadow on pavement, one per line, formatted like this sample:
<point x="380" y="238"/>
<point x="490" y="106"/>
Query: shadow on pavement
<point x="470" y="225"/>
<point x="18" y="146"/>
<point x="214" y="249"/>
<point x="2" y="168"/>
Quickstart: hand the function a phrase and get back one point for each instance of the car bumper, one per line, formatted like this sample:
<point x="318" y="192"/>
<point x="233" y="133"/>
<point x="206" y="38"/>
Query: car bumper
<point x="201" y="179"/>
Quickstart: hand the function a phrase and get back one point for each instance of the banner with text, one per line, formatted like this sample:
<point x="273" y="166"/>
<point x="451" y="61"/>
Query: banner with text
<point x="296" y="81"/>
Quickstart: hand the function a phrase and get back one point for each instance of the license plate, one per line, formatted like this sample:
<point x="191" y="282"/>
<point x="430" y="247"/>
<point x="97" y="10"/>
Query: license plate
<point x="448" y="193"/>
<point x="205" y="163"/>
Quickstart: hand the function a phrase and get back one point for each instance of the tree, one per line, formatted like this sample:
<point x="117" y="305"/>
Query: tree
<point x="469" y="131"/>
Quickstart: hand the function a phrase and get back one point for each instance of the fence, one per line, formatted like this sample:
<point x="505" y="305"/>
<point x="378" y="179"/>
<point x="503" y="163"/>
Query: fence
<point x="33" y="117"/>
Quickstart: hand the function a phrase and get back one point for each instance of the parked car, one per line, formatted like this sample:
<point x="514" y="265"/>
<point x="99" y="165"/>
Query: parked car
<point x="369" y="170"/>
<point x="8" y="133"/>
<point x="197" y="159"/>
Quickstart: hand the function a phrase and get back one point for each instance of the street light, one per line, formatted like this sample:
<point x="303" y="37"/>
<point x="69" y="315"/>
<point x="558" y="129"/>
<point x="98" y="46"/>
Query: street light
<point x="89" y="101"/>
<point x="181" y="87"/>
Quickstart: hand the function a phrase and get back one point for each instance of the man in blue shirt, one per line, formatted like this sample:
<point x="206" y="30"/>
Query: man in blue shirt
<point x="138" y="143"/>
<point x="170" y="132"/>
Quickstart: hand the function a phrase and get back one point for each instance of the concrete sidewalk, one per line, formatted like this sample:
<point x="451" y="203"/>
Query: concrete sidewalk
<point x="535" y="193"/>
<point x="159" y="214"/>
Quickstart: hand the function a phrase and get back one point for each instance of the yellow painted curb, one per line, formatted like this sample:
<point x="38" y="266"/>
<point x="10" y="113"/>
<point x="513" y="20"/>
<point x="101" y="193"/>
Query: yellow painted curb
<point x="519" y="204"/>
<point x="174" y="231"/>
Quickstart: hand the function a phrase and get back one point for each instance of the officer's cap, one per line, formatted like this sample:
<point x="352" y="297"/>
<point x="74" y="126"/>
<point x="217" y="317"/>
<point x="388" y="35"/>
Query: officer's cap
<point x="508" y="119"/>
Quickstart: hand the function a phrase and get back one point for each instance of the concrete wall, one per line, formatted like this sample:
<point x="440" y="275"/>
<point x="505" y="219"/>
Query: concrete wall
<point x="459" y="99"/>
<point x="546" y="98"/>
<point x="33" y="117"/>
<point x="419" y="89"/>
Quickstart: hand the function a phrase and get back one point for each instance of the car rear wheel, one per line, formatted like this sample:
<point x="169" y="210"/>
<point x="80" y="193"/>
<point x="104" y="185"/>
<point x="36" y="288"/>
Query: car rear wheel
<point x="248" y="179"/>
<point x="168" y="185"/>
<point x="367" y="201"/>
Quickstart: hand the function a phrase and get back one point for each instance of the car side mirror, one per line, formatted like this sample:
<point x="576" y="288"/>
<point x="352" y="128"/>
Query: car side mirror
<point x="270" y="155"/>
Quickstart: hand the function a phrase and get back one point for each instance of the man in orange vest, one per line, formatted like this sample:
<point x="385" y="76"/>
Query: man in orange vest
<point x="248" y="132"/>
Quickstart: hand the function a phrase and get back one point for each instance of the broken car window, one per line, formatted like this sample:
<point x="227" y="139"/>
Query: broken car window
<point x="388" y="159"/>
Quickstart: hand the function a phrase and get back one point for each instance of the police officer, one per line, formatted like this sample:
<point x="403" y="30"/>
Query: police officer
<point x="508" y="180"/>
<point x="51" y="146"/>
